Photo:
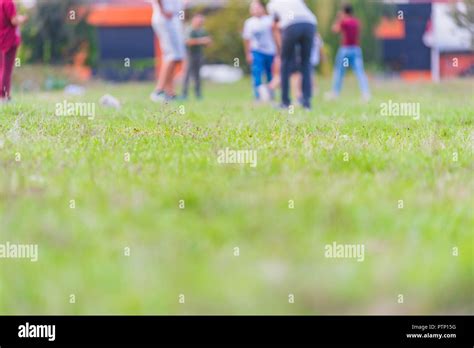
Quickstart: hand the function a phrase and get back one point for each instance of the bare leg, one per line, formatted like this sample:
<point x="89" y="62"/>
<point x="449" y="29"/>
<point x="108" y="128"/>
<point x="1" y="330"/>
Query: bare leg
<point x="170" y="78"/>
<point x="276" y="81"/>
<point x="165" y="80"/>
<point x="296" y="80"/>
<point x="165" y="65"/>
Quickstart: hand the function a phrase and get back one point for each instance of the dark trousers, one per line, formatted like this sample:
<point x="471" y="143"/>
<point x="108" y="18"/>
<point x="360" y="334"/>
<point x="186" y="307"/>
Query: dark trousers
<point x="193" y="72"/>
<point x="7" y="61"/>
<point x="301" y="34"/>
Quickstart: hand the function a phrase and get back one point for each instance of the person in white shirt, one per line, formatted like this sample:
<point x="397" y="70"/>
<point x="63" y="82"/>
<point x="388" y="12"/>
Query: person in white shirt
<point x="297" y="26"/>
<point x="167" y="23"/>
<point x="260" y="47"/>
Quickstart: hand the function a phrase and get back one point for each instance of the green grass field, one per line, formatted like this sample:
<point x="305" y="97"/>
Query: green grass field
<point x="343" y="165"/>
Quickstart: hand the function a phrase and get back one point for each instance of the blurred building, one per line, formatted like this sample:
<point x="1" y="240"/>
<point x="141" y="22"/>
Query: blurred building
<point x="423" y="41"/>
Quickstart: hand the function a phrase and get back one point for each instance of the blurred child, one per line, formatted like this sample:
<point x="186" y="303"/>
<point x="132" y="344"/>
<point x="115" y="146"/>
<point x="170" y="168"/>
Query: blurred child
<point x="196" y="39"/>
<point x="169" y="29"/>
<point x="10" y="39"/>
<point x="349" y="54"/>
<point x="260" y="47"/>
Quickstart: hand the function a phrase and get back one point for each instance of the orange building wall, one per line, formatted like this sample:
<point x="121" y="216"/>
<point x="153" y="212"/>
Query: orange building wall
<point x="116" y="16"/>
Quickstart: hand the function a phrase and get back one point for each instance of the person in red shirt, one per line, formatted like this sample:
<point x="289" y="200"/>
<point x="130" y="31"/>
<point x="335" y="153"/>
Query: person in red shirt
<point x="10" y="39"/>
<point x="349" y="54"/>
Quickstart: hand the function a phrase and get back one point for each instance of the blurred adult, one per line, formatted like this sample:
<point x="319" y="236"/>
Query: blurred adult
<point x="349" y="53"/>
<point x="10" y="40"/>
<point x="168" y="26"/>
<point x="295" y="25"/>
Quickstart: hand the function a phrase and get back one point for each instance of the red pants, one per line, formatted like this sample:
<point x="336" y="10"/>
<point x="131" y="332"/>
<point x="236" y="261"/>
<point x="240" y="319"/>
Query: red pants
<point x="7" y="61"/>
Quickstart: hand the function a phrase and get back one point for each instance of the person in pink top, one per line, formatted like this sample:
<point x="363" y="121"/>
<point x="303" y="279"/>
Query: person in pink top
<point x="10" y="39"/>
<point x="349" y="54"/>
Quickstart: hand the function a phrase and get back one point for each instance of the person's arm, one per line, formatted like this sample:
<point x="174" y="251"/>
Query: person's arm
<point x="277" y="36"/>
<point x="10" y="11"/>
<point x="336" y="27"/>
<point x="165" y="13"/>
<point x="18" y="20"/>
<point x="275" y="27"/>
<point x="248" y="52"/>
<point x="200" y="41"/>
<point x="206" y="39"/>
<point x="247" y="35"/>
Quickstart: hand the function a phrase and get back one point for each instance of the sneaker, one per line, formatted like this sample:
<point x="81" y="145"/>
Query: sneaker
<point x="158" y="97"/>
<point x="306" y="106"/>
<point x="170" y="98"/>
<point x="265" y="93"/>
<point x="366" y="97"/>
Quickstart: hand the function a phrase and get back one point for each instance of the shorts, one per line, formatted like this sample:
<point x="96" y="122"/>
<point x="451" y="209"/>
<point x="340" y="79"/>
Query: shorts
<point x="170" y="34"/>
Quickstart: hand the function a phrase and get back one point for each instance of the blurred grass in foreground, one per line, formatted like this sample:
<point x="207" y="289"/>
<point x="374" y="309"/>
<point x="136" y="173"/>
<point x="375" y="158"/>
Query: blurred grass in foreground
<point x="190" y="251"/>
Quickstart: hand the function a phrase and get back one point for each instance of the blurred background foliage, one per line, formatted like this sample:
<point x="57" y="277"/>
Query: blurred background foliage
<point x="225" y="27"/>
<point x="56" y="31"/>
<point x="464" y="19"/>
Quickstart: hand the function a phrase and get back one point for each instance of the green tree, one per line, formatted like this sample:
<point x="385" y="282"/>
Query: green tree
<point x="56" y="31"/>
<point x="463" y="15"/>
<point x="225" y="26"/>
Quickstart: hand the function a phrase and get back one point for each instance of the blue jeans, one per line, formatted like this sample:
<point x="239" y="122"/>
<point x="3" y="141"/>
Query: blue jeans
<point x="262" y="64"/>
<point x="301" y="34"/>
<point x="349" y="56"/>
